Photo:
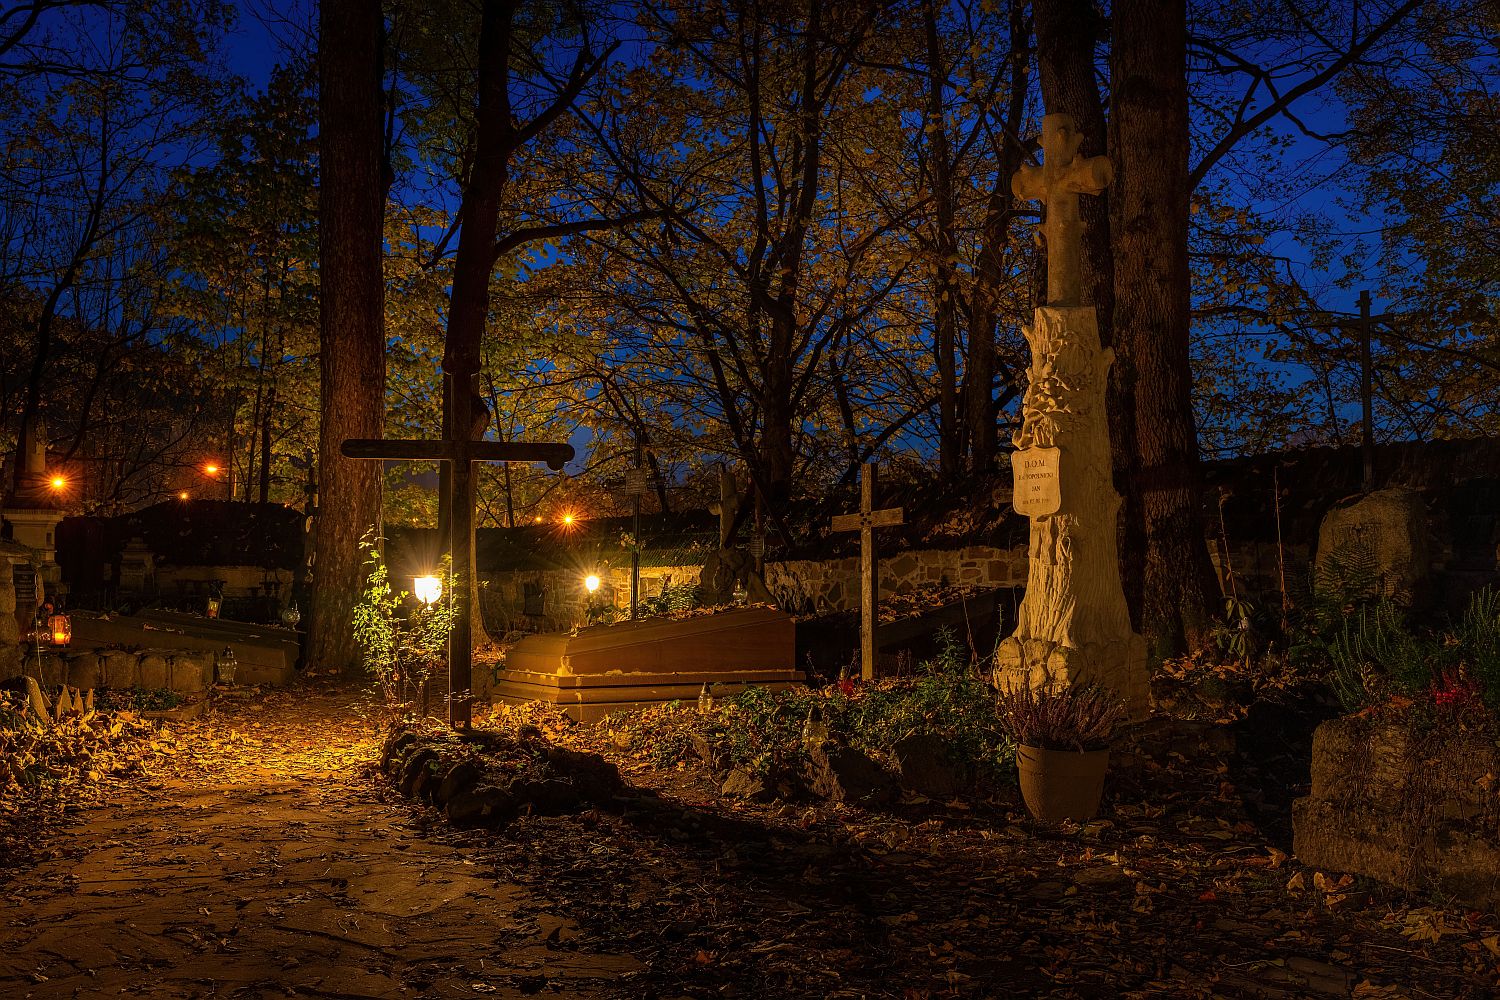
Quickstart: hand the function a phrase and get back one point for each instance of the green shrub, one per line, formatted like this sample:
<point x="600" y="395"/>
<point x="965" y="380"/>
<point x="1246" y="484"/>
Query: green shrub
<point x="401" y="654"/>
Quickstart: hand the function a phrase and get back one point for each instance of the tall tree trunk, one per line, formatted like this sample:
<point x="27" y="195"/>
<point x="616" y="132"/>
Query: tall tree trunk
<point x="989" y="271"/>
<point x="469" y="307"/>
<point x="776" y="453"/>
<point x="945" y="250"/>
<point x="1067" y="32"/>
<point x="265" y="445"/>
<point x="1152" y="312"/>
<point x="351" y="206"/>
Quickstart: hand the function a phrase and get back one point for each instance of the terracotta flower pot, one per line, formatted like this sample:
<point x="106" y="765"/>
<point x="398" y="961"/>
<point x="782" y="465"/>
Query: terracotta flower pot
<point x="1061" y="784"/>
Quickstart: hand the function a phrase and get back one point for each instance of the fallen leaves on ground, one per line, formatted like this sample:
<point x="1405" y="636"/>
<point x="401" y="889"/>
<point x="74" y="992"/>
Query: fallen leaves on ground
<point x="1172" y="891"/>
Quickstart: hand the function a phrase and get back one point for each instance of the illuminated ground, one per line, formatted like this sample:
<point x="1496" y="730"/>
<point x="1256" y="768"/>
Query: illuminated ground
<point x="259" y="863"/>
<point x="261" y="857"/>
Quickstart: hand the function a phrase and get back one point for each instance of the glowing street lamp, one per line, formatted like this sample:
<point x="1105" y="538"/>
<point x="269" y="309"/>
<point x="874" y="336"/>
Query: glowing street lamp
<point x="211" y="469"/>
<point x="183" y="495"/>
<point x="591" y="583"/>
<point x="427" y="589"/>
<point x="58" y="482"/>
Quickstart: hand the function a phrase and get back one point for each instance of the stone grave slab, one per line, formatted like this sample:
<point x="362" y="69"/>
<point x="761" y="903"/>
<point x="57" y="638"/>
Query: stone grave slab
<point x="632" y="665"/>
<point x="264" y="654"/>
<point x="234" y="632"/>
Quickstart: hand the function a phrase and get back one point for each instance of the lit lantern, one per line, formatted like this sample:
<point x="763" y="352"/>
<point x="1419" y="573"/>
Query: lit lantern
<point x="591" y="583"/>
<point x="213" y="607"/>
<point x="60" y="629"/>
<point x="227" y="665"/>
<point x="427" y="589"/>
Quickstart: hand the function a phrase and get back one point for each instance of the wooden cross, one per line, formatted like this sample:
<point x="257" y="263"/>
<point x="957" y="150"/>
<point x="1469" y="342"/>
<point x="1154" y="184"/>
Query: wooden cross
<point x="865" y="522"/>
<point x="459" y="452"/>
<point x="1057" y="183"/>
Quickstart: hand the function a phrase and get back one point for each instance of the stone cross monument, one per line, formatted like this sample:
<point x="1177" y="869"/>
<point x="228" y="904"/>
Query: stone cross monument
<point x="1073" y="625"/>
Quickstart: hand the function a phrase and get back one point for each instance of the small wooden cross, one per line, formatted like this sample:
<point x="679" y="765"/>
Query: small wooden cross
<point x="460" y="451"/>
<point x="1057" y="183"/>
<point x="865" y="522"/>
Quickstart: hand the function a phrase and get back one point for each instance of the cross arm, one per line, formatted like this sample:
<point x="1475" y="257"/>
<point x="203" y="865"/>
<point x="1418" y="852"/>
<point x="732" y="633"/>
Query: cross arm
<point x="887" y="518"/>
<point x="396" y="450"/>
<point x="1089" y="176"/>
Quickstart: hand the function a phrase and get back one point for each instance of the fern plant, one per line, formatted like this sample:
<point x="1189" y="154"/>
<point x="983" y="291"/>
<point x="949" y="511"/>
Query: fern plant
<point x="1477" y="642"/>
<point x="1375" y="651"/>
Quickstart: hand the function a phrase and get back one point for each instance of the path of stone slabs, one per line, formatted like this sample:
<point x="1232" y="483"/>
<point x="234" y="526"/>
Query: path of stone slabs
<point x="258" y="859"/>
<point x="262" y="855"/>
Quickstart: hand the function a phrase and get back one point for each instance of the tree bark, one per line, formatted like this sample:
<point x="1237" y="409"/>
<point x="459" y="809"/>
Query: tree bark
<point x="351" y="207"/>
<point x="1067" y="32"/>
<point x="989" y="270"/>
<point x="469" y="305"/>
<point x="1152" y="312"/>
<point x="945" y="250"/>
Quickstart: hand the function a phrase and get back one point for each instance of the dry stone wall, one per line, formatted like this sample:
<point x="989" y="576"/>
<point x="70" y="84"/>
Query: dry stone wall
<point x="558" y="601"/>
<point x="803" y="585"/>
<point x="118" y="669"/>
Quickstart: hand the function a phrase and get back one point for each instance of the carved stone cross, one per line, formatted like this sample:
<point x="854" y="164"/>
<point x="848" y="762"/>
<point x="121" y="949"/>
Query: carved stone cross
<point x="1057" y="183"/>
<point x="460" y="451"/>
<point x="865" y="522"/>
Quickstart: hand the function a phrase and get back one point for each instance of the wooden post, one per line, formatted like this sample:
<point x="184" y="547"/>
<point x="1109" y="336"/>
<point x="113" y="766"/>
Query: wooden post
<point x="1366" y="397"/>
<point x="869" y="575"/>
<point x="461" y="564"/>
<point x="865" y="522"/>
<point x="459" y="449"/>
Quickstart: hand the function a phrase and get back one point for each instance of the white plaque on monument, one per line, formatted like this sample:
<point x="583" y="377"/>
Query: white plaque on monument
<point x="1037" y="492"/>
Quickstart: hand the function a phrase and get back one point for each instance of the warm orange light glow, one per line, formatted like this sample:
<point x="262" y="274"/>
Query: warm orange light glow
<point x="427" y="589"/>
<point x="211" y="469"/>
<point x="591" y="583"/>
<point x="539" y="519"/>
<point x="567" y="519"/>
<point x="183" y="495"/>
<point x="61" y="629"/>
<point x="58" y="482"/>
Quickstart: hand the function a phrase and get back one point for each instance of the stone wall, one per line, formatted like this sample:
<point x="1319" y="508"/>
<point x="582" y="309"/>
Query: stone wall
<point x="800" y="585"/>
<point x="117" y="669"/>
<point x="564" y="599"/>
<point x="803" y="585"/>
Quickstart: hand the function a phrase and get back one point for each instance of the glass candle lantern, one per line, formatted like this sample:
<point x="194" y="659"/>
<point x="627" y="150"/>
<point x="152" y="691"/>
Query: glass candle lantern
<point x="228" y="664"/>
<point x="59" y="630"/>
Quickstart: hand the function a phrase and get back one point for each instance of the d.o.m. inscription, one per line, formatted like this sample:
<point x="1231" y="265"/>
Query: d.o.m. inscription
<point x="1037" y="490"/>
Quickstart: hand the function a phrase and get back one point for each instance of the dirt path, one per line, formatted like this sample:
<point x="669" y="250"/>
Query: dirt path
<point x="260" y="856"/>
<point x="258" y="860"/>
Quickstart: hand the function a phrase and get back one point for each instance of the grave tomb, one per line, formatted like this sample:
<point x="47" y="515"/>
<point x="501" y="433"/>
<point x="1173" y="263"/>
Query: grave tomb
<point x="266" y="654"/>
<point x="631" y="665"/>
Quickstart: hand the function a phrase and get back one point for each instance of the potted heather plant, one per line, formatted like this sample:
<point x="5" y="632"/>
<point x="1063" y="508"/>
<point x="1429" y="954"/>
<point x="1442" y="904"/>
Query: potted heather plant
<point x="1062" y="747"/>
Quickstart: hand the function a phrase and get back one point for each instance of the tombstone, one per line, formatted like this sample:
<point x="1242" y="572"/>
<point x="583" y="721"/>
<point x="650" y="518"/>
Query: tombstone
<point x="1376" y="542"/>
<point x="601" y="669"/>
<point x="32" y="508"/>
<point x="1074" y="627"/>
<point x="136" y="572"/>
<point x="14" y="611"/>
<point x="265" y="654"/>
